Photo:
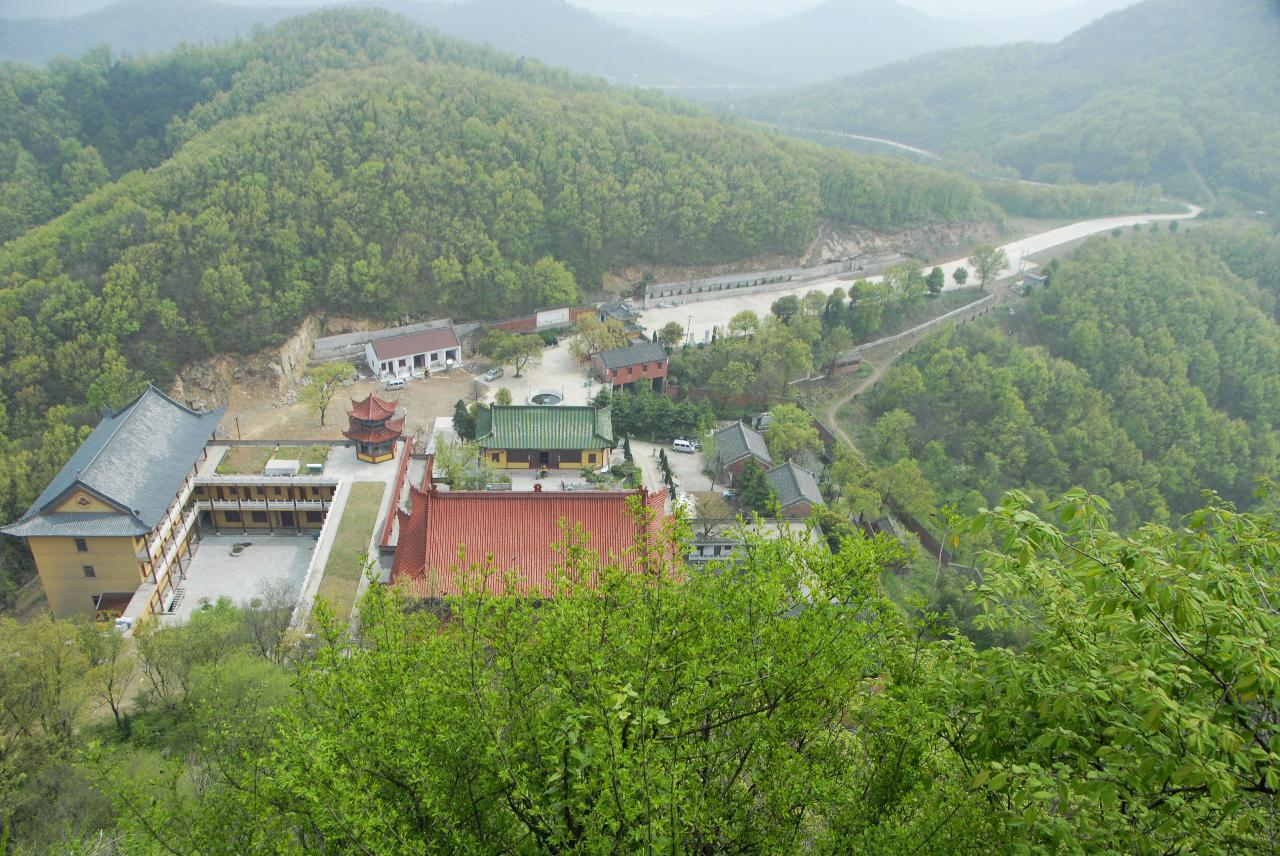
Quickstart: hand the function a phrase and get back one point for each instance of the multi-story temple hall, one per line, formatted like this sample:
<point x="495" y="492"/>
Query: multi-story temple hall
<point x="119" y="514"/>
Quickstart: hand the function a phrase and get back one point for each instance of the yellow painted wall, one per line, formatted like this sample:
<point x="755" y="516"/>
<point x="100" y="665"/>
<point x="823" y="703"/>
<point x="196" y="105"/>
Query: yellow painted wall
<point x="81" y="502"/>
<point x="602" y="458"/>
<point x="601" y="455"/>
<point x="70" y="592"/>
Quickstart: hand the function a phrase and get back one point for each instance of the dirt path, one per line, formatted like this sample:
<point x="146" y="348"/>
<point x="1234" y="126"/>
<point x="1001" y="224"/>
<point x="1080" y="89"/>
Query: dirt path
<point x="889" y="354"/>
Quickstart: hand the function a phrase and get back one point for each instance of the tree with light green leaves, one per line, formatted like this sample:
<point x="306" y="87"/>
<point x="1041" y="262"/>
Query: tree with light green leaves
<point x="519" y="349"/>
<point x="1143" y="715"/>
<point x="671" y="334"/>
<point x="323" y="384"/>
<point x="987" y="262"/>
<point x="790" y="433"/>
<point x="591" y="336"/>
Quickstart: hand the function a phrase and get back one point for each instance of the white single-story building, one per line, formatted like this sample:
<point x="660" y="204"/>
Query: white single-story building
<point x="413" y="353"/>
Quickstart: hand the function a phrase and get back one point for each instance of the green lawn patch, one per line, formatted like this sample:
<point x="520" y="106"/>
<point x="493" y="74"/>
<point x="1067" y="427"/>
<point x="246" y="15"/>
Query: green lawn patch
<point x="343" y="570"/>
<point x="245" y="460"/>
<point x="251" y="460"/>
<point x="304" y="454"/>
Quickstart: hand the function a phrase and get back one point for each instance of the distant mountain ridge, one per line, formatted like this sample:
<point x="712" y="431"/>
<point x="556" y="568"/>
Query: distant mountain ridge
<point x="561" y="34"/>
<point x="550" y="31"/>
<point x="133" y="27"/>
<point x="1183" y="92"/>
<point x="831" y="39"/>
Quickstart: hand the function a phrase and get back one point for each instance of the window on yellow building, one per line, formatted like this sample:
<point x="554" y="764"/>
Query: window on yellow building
<point x="89" y="572"/>
<point x="82" y="546"/>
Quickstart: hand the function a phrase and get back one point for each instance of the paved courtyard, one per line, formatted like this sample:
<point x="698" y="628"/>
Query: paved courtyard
<point x="557" y="373"/>
<point x="687" y="468"/>
<point x="215" y="573"/>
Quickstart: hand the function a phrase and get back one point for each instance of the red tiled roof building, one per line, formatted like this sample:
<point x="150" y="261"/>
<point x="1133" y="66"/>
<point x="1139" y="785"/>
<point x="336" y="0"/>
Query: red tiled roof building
<point x="513" y="539"/>
<point x="375" y="428"/>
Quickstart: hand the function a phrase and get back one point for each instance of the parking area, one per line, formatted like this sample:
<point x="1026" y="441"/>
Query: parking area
<point x="216" y="573"/>
<point x="687" y="468"/>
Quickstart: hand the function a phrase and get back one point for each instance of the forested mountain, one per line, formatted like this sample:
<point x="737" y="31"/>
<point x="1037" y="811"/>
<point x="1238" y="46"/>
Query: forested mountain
<point x="1184" y="92"/>
<point x="349" y="162"/>
<point x="1145" y="373"/>
<point x="551" y="31"/>
<point x="132" y="27"/>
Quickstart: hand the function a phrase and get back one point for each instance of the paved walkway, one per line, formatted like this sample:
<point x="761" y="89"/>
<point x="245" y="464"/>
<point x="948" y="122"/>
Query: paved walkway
<point x="324" y="544"/>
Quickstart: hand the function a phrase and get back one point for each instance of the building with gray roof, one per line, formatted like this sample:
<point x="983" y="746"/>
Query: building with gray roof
<point x="796" y="489"/>
<point x="116" y="509"/>
<point x="734" y="446"/>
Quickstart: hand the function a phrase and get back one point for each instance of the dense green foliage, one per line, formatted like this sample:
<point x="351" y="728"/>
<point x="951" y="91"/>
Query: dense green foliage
<point x="1026" y="199"/>
<point x="1146" y="372"/>
<point x="349" y="162"/>
<point x="784" y="707"/>
<point x="646" y="414"/>
<point x="758" y="359"/>
<point x="1172" y="91"/>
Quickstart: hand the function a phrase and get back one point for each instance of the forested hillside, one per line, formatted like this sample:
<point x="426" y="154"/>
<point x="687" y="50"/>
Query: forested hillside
<point x="1173" y="91"/>
<point x="1145" y="373"/>
<point x="350" y="162"/>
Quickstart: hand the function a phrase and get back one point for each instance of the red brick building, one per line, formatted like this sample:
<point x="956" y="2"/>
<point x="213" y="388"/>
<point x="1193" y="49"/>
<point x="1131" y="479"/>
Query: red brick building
<point x="623" y="368"/>
<point x="513" y="538"/>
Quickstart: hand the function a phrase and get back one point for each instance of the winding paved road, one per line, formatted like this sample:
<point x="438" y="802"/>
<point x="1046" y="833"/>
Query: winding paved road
<point x="699" y="318"/>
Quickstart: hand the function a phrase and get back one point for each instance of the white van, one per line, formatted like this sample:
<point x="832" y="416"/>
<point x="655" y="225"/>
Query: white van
<point x="682" y="446"/>
<point x="396" y="383"/>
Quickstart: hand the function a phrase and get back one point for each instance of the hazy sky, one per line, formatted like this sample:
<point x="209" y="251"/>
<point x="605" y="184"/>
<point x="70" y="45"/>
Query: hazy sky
<point x="732" y="9"/>
<point x="941" y="8"/>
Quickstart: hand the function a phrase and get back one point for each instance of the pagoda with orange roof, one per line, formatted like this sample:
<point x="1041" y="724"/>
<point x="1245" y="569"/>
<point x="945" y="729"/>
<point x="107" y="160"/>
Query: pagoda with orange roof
<point x="375" y="428"/>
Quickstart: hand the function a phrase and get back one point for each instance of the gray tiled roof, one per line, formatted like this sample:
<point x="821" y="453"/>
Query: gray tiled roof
<point x="793" y="483"/>
<point x="78" y="525"/>
<point x="641" y="352"/>
<point x="137" y="459"/>
<point x="737" y="441"/>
